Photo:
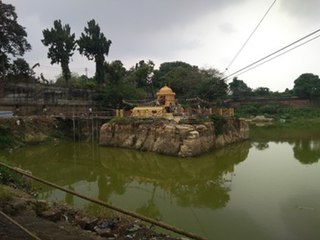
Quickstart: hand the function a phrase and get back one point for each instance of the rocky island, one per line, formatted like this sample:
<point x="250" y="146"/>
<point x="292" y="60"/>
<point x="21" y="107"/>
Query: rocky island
<point x="173" y="138"/>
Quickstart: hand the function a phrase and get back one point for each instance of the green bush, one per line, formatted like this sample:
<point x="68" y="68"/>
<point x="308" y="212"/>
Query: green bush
<point x="6" y="138"/>
<point x="278" y="112"/>
<point x="269" y="109"/>
<point x="7" y="176"/>
<point x="218" y="123"/>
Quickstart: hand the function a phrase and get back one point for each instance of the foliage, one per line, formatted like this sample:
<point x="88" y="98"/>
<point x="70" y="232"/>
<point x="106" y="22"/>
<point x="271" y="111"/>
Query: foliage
<point x="20" y="71"/>
<point x="6" y="138"/>
<point x="189" y="81"/>
<point x="279" y="112"/>
<point x="8" y="176"/>
<point x="12" y="37"/>
<point x="307" y="85"/>
<point x="61" y="46"/>
<point x="218" y="123"/>
<point x="115" y="71"/>
<point x="113" y="95"/>
<point x="160" y="78"/>
<point x="248" y="110"/>
<point x="141" y="76"/>
<point x="76" y="82"/>
<point x="303" y="114"/>
<point x="180" y="76"/>
<point x="239" y="89"/>
<point x="211" y="87"/>
<point x="94" y="45"/>
<point x="261" y="92"/>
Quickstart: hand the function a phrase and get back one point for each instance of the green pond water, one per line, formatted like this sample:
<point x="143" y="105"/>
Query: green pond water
<point x="264" y="188"/>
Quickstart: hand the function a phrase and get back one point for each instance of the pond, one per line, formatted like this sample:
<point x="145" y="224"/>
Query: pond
<point x="264" y="188"/>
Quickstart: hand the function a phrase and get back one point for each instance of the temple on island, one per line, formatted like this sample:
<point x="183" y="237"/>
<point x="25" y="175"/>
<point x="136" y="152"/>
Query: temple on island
<point x="165" y="104"/>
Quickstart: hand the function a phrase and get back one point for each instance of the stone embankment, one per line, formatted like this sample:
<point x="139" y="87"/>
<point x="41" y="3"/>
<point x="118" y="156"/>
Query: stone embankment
<point x="172" y="138"/>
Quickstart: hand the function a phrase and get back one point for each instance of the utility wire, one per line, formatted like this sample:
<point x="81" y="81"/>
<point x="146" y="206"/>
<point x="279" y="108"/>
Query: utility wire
<point x="254" y="30"/>
<point x="280" y="54"/>
<point x="270" y="55"/>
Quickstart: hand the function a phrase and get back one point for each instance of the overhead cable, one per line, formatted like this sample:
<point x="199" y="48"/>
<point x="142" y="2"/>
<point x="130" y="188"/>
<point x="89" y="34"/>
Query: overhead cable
<point x="254" y="30"/>
<point x="280" y="54"/>
<point x="270" y="55"/>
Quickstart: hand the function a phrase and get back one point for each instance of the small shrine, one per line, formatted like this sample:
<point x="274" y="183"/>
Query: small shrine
<point x="166" y="97"/>
<point x="165" y="103"/>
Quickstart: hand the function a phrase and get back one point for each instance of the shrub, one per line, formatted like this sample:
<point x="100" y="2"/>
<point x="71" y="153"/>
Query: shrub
<point x="218" y="123"/>
<point x="9" y="177"/>
<point x="6" y="138"/>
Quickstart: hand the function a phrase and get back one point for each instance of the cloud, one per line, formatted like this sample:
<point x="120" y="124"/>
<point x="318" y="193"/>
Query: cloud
<point x="305" y="10"/>
<point x="202" y="33"/>
<point x="135" y="27"/>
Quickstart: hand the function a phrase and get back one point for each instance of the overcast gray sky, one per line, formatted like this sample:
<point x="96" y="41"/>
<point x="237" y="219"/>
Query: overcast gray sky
<point x="206" y="33"/>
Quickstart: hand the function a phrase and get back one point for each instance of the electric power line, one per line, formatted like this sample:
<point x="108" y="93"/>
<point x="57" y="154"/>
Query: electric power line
<point x="268" y="60"/>
<point x="254" y="30"/>
<point x="273" y="53"/>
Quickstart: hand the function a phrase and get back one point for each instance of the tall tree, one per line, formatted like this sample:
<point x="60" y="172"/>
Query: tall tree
<point x="211" y="87"/>
<point x="180" y="76"/>
<point x="94" y="45"/>
<point x="20" y="71"/>
<point x="307" y="85"/>
<point x="12" y="37"/>
<point x="239" y="89"/>
<point x="61" y="46"/>
<point x="115" y="71"/>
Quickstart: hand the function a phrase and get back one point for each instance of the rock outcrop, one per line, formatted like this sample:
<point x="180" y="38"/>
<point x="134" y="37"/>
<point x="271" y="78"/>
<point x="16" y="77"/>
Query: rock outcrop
<point x="171" y="138"/>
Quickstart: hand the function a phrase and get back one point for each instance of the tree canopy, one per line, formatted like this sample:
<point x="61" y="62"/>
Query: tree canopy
<point x="20" y="71"/>
<point x="12" y="37"/>
<point x="94" y="45"/>
<point x="239" y="89"/>
<point x="189" y="81"/>
<point x="307" y="85"/>
<point x="61" y="46"/>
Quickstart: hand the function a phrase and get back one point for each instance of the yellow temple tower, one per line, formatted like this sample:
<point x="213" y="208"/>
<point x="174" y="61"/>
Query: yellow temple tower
<point x="166" y="100"/>
<point x="166" y="97"/>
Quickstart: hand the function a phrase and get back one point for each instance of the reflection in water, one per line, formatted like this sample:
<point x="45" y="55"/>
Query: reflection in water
<point x="272" y="195"/>
<point x="261" y="145"/>
<point x="305" y="141"/>
<point x="193" y="182"/>
<point x="202" y="182"/>
<point x="150" y="208"/>
<point x="307" y="151"/>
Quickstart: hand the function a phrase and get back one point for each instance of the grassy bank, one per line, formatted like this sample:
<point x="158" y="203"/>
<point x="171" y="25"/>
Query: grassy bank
<point x="280" y="113"/>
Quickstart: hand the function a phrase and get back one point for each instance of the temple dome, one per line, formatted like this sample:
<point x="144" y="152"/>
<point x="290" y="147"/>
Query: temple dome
<point x="165" y="91"/>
